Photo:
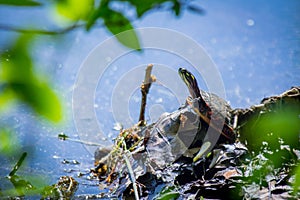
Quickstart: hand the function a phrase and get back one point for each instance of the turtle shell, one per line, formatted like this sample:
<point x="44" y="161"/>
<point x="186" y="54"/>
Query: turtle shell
<point x="219" y="106"/>
<point x="177" y="132"/>
<point x="219" y="116"/>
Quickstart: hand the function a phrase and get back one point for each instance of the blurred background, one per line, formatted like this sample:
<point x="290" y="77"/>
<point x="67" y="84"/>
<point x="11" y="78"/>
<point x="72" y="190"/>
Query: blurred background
<point x="254" y="45"/>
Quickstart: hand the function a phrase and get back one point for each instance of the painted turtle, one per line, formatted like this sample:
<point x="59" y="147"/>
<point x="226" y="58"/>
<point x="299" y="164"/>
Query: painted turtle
<point x="204" y="118"/>
<point x="203" y="121"/>
<point x="212" y="109"/>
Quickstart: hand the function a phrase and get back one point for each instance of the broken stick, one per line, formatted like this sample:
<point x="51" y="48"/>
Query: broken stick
<point x="144" y="90"/>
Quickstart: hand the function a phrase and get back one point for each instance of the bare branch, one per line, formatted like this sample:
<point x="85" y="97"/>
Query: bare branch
<point x="144" y="90"/>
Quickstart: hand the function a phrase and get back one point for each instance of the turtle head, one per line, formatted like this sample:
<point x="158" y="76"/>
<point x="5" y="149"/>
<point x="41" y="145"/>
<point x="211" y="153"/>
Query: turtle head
<point x="191" y="82"/>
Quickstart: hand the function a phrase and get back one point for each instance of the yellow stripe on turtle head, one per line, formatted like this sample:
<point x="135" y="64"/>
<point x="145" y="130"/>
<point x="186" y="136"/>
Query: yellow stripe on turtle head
<point x="186" y="76"/>
<point x="191" y="82"/>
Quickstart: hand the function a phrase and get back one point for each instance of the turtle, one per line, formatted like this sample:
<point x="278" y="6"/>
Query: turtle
<point x="209" y="105"/>
<point x="176" y="139"/>
<point x="182" y="132"/>
<point x="213" y="111"/>
<point x="203" y="120"/>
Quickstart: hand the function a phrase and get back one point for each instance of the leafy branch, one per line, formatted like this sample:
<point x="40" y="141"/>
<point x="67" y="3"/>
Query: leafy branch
<point x="86" y="14"/>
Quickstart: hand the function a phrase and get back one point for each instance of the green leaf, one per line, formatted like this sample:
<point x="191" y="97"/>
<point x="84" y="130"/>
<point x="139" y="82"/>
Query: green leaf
<point x="6" y="97"/>
<point x="102" y="11"/>
<point x="143" y="6"/>
<point x="9" y="143"/>
<point x="177" y="7"/>
<point x="169" y="192"/>
<point x="296" y="185"/>
<point x="117" y="24"/>
<point x="121" y="27"/>
<point x="19" y="3"/>
<point x="40" y="97"/>
<point x="74" y="9"/>
<point x="19" y="81"/>
<point x="146" y="5"/>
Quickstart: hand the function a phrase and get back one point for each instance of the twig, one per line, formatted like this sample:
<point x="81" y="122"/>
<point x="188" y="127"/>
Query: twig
<point x="144" y="90"/>
<point x="131" y="175"/>
<point x="5" y="27"/>
<point x="62" y="136"/>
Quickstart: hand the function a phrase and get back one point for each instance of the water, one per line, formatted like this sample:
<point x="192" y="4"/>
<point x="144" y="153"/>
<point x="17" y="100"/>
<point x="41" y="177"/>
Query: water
<point x="254" y="45"/>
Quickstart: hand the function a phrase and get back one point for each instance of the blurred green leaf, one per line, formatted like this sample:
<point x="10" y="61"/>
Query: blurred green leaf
<point x="101" y="12"/>
<point x="146" y="5"/>
<point x="28" y="185"/>
<point x="117" y="23"/>
<point x="6" y="97"/>
<point x="17" y="77"/>
<point x="74" y="9"/>
<point x="283" y="123"/>
<point x="9" y="143"/>
<point x="40" y="97"/>
<point x="296" y="186"/>
<point x="20" y="3"/>
<point x="177" y="7"/>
